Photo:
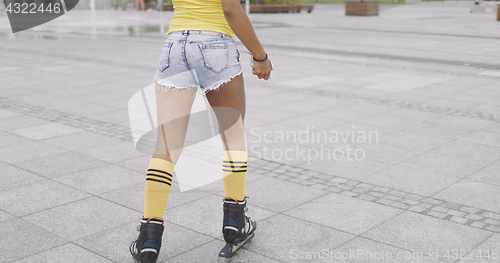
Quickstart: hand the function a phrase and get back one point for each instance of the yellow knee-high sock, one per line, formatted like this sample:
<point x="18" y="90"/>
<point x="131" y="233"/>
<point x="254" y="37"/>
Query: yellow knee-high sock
<point x="158" y="182"/>
<point x="234" y="170"/>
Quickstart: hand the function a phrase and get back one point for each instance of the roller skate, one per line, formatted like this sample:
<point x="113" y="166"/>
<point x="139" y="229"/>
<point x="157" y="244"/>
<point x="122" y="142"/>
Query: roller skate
<point x="238" y="229"/>
<point x="147" y="246"/>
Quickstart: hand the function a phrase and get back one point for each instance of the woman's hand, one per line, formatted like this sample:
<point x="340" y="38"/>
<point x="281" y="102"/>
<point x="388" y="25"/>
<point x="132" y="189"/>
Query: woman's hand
<point x="262" y="69"/>
<point x="242" y="27"/>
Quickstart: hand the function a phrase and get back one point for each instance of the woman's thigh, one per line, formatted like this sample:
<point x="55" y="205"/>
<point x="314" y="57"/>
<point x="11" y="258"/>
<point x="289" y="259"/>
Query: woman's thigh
<point x="173" y="108"/>
<point x="228" y="103"/>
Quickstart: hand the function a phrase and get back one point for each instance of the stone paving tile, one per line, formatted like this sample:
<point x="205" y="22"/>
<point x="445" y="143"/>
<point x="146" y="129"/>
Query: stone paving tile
<point x="205" y="211"/>
<point x="12" y="91"/>
<point x="447" y="103"/>
<point x="119" y="117"/>
<point x="266" y="101"/>
<point x="209" y="252"/>
<point x="175" y="241"/>
<point x="133" y="196"/>
<point x="413" y="114"/>
<point x="457" y="213"/>
<point x="46" y="131"/>
<point x="78" y="219"/>
<point x="411" y="231"/>
<point x="289" y="153"/>
<point x="278" y="132"/>
<point x="277" y="195"/>
<point x="101" y="179"/>
<point x="344" y="213"/>
<point x="484" y="137"/>
<point x="365" y="250"/>
<point x="411" y="180"/>
<point x="348" y="169"/>
<point x="312" y="122"/>
<point x="80" y="141"/>
<point x="488" y="175"/>
<point x="412" y="140"/>
<point x="301" y="237"/>
<point x="19" y="122"/>
<point x="388" y="122"/>
<point x="474" y="217"/>
<point x="471" y="210"/>
<point x="306" y="106"/>
<point x="493" y="128"/>
<point x="401" y="200"/>
<point x="38" y="196"/>
<point x="113" y="153"/>
<point x="272" y="115"/>
<point x="469" y="150"/>
<point x="478" y="224"/>
<point x="440" y="130"/>
<point x="13" y="177"/>
<point x="445" y="165"/>
<point x="36" y="97"/>
<point x="37" y="115"/>
<point x="7" y="113"/>
<point x="27" y="151"/>
<point x="388" y="153"/>
<point x="60" y="164"/>
<point x="476" y="124"/>
<point x="65" y="253"/>
<point x="21" y="239"/>
<point x="486" y="249"/>
<point x="472" y="194"/>
<point x="491" y="215"/>
<point x="90" y="109"/>
<point x="4" y="216"/>
<point x="61" y="104"/>
<point x="8" y="139"/>
<point x="344" y="115"/>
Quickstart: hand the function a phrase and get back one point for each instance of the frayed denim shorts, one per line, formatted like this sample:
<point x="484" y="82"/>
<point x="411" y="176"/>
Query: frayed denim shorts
<point x="197" y="59"/>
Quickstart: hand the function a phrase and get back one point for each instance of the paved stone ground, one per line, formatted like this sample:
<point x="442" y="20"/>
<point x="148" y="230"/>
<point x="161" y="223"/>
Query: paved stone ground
<point x="377" y="136"/>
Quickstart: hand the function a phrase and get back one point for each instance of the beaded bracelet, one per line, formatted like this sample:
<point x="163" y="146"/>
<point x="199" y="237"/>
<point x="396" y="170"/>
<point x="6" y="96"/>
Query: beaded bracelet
<point x="260" y="60"/>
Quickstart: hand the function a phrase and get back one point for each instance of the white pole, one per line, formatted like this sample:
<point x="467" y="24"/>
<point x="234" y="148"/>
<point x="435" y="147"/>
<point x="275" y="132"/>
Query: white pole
<point x="247" y="6"/>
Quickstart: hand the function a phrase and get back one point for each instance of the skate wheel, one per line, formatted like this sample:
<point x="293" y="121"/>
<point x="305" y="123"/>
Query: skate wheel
<point x="244" y="245"/>
<point x="237" y="251"/>
<point x="250" y="239"/>
<point x="230" y="258"/>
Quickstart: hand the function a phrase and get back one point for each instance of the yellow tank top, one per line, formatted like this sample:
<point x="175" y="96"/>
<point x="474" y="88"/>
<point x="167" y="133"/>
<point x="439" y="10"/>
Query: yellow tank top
<point x="206" y="15"/>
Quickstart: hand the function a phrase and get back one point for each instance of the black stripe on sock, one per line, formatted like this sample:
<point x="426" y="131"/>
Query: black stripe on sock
<point x="234" y="166"/>
<point x="164" y="177"/>
<point x="160" y="171"/>
<point x="234" y="162"/>
<point x="231" y="171"/>
<point x="159" y="181"/>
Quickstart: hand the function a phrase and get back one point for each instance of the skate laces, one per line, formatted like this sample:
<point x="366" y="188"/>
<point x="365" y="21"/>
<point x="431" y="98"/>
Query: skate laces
<point x="153" y="220"/>
<point x="230" y="200"/>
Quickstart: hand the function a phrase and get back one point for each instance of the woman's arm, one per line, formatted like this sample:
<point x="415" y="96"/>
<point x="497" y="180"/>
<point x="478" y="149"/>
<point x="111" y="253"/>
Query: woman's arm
<point x="242" y="27"/>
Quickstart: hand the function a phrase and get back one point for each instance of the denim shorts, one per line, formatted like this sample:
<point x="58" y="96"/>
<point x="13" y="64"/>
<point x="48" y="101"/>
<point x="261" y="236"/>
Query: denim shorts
<point x="197" y="59"/>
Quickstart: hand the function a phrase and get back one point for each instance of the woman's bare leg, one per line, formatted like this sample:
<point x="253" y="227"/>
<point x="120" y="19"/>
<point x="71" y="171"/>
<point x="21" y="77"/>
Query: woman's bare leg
<point x="174" y="108"/>
<point x="227" y="101"/>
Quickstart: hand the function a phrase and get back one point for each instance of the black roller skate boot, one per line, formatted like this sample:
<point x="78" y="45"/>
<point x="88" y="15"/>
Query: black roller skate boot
<point x="147" y="246"/>
<point x="238" y="229"/>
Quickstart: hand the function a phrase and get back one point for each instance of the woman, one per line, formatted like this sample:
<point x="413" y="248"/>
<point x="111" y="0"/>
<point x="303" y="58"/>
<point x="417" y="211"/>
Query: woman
<point x="199" y="53"/>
